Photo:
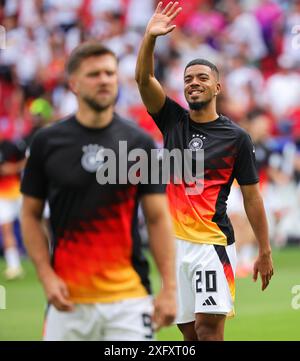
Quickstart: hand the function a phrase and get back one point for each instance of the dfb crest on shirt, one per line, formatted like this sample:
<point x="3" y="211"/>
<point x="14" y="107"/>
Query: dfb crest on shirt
<point x="196" y="142"/>
<point x="90" y="161"/>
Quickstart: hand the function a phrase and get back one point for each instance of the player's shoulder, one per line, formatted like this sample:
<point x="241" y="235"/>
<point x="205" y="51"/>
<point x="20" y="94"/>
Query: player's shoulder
<point x="59" y="126"/>
<point x="132" y="130"/>
<point x="175" y="105"/>
<point x="170" y="106"/>
<point x="239" y="132"/>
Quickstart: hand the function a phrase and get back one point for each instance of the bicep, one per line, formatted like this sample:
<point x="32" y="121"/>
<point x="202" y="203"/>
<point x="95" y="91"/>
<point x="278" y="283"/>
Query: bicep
<point x="155" y="206"/>
<point x="32" y="206"/>
<point x="250" y="192"/>
<point x="153" y="95"/>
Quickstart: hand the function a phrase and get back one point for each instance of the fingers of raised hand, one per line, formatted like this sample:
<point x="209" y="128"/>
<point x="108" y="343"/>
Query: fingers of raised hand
<point x="175" y="13"/>
<point x="171" y="10"/>
<point x="167" y="8"/>
<point x="158" y="8"/>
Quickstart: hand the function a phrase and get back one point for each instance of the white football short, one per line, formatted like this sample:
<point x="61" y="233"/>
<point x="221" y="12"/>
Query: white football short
<point x="9" y="210"/>
<point x="128" y="320"/>
<point x="205" y="279"/>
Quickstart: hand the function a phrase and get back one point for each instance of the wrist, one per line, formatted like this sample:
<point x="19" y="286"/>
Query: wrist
<point x="169" y="287"/>
<point x="150" y="37"/>
<point x="265" y="252"/>
<point x="44" y="272"/>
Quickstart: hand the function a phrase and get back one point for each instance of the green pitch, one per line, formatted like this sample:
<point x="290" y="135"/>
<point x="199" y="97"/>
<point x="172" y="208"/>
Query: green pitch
<point x="260" y="315"/>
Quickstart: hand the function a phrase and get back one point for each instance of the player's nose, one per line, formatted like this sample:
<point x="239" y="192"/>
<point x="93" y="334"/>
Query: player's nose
<point x="194" y="82"/>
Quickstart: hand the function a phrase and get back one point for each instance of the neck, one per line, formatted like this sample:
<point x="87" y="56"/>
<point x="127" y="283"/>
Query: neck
<point x="205" y="115"/>
<point x="92" y="119"/>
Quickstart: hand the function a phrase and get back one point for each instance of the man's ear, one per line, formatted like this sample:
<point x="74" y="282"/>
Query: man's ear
<point x="218" y="89"/>
<point x="72" y="84"/>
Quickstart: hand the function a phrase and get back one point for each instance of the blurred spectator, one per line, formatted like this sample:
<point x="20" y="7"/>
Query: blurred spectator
<point x="282" y="91"/>
<point x="205" y="21"/>
<point x="63" y="14"/>
<point x="144" y="9"/>
<point x="243" y="33"/>
<point x="64" y="101"/>
<point x="11" y="99"/>
<point x="244" y="85"/>
<point x="11" y="163"/>
<point x="270" y="16"/>
<point x="291" y="37"/>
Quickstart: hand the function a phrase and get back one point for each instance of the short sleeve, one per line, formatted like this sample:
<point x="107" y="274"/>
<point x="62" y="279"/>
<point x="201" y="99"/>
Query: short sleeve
<point x="34" y="181"/>
<point x="169" y="115"/>
<point x="20" y="149"/>
<point x="245" y="166"/>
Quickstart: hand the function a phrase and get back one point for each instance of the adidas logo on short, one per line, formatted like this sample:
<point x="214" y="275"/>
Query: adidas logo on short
<point x="209" y="302"/>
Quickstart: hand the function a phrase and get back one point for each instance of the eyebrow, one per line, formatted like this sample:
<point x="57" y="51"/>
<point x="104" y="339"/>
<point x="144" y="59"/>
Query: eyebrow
<point x="198" y="74"/>
<point x="93" y="72"/>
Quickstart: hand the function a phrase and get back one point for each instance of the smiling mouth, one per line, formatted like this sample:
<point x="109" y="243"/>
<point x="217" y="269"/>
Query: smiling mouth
<point x="195" y="92"/>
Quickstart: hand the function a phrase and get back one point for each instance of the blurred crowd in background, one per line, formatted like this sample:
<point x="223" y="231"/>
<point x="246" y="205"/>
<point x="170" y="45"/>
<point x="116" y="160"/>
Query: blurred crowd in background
<point x="255" y="44"/>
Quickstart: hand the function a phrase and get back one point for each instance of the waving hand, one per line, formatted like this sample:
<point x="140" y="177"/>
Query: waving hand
<point x="160" y="23"/>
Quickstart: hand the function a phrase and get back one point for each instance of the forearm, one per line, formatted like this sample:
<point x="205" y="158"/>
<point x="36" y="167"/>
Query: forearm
<point x="145" y="60"/>
<point x="257" y="217"/>
<point x="163" y="250"/>
<point x="36" y="244"/>
<point x="10" y="168"/>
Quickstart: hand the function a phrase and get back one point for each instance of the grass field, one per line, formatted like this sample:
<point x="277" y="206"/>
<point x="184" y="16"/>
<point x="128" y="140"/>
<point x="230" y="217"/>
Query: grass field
<point x="260" y="315"/>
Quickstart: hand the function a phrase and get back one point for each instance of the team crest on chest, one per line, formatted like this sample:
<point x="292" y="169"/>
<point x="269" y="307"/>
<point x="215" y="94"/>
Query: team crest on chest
<point x="196" y="142"/>
<point x="90" y="161"/>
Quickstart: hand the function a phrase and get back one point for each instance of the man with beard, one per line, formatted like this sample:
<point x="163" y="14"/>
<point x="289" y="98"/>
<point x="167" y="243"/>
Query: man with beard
<point x="205" y="240"/>
<point x="95" y="277"/>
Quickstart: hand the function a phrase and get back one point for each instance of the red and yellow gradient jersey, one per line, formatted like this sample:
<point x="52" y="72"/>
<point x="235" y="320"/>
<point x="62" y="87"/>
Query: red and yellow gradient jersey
<point x="95" y="257"/>
<point x="228" y="154"/>
<point x="10" y="184"/>
<point x="10" y="187"/>
<point x="96" y="245"/>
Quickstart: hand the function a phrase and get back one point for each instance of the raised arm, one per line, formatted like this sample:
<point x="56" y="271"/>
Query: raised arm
<point x="162" y="247"/>
<point x="151" y="91"/>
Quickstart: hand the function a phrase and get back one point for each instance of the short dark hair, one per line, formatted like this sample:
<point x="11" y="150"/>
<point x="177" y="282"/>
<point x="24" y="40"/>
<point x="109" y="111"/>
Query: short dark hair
<point x="84" y="51"/>
<point x="256" y="112"/>
<point x="205" y="62"/>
